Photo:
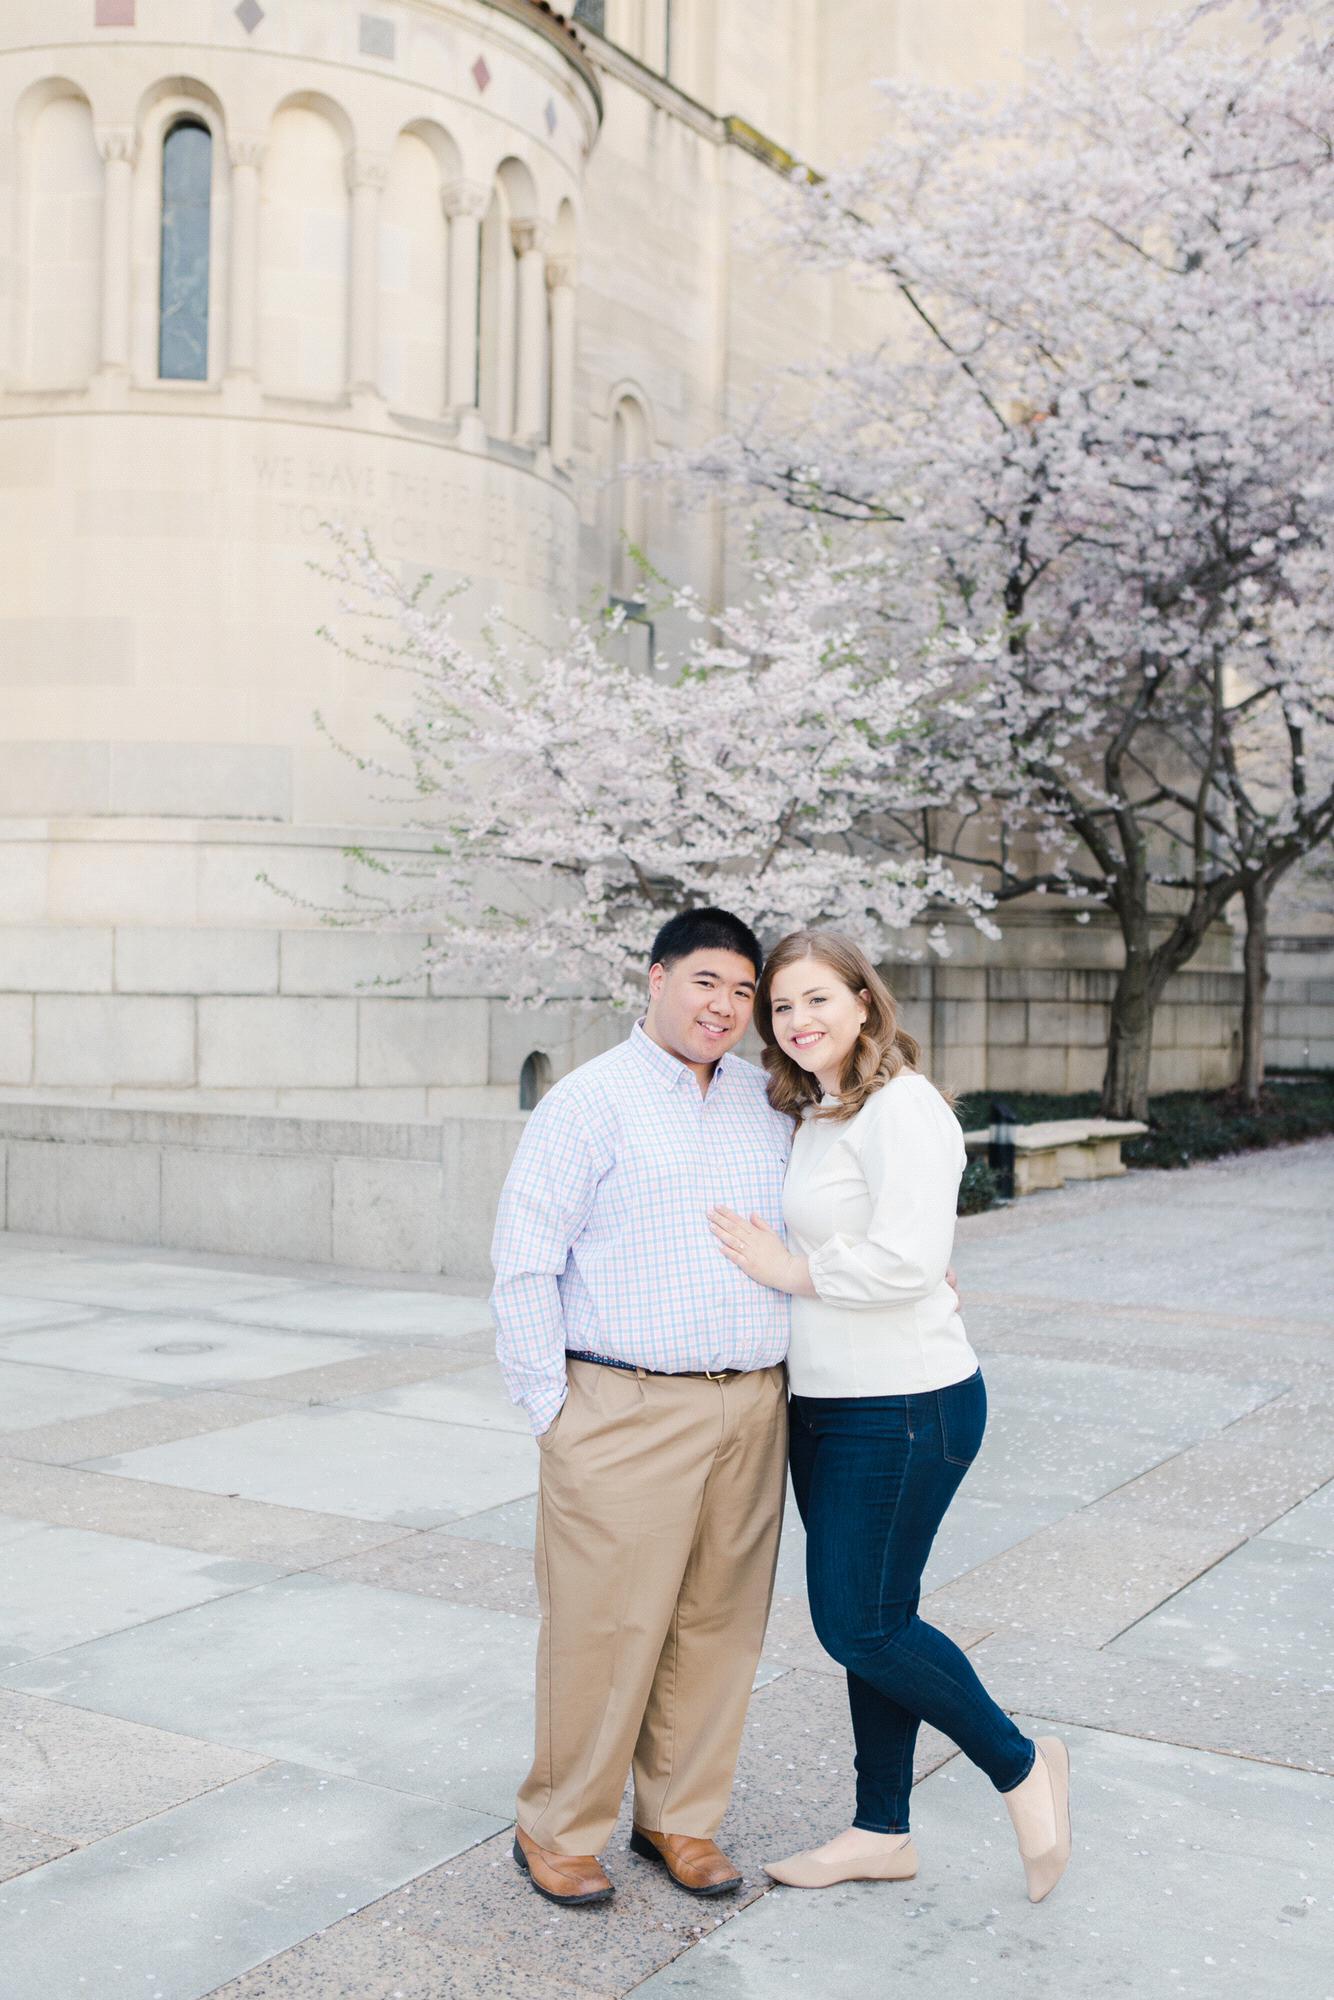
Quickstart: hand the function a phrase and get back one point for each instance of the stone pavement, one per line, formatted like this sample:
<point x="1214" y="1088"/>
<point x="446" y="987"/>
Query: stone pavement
<point x="267" y="1620"/>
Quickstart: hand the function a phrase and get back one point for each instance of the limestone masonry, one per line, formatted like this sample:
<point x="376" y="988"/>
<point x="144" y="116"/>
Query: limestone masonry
<point x="435" y="269"/>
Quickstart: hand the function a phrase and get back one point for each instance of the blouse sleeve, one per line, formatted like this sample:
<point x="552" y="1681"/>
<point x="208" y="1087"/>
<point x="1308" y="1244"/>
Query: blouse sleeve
<point x="912" y="1154"/>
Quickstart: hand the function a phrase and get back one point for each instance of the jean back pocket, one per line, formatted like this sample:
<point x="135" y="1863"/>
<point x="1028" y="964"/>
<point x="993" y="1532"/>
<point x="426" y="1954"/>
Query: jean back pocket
<point x="963" y="1419"/>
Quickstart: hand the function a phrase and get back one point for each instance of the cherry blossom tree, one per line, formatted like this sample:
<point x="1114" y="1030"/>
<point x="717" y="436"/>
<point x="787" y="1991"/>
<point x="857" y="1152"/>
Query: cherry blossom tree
<point x="572" y="801"/>
<point x="1273" y="805"/>
<point x="1098" y="420"/>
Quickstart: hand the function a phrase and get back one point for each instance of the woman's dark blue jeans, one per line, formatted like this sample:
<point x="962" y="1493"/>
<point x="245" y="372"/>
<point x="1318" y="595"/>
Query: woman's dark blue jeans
<point x="873" y="1476"/>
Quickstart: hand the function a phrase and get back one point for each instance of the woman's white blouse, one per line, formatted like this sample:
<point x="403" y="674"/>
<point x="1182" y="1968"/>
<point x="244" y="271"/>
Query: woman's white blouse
<point x="871" y="1202"/>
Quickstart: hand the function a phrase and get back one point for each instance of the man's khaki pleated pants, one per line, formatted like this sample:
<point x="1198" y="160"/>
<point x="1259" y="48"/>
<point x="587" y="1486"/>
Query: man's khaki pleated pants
<point x="659" y="1510"/>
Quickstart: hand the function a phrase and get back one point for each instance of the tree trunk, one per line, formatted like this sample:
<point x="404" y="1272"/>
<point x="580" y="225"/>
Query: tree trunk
<point x="1125" y="1083"/>
<point x="1255" y="962"/>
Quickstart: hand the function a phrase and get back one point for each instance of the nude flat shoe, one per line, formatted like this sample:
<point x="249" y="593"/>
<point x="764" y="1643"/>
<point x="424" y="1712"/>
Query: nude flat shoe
<point x="1045" y="1870"/>
<point x="803" y="1871"/>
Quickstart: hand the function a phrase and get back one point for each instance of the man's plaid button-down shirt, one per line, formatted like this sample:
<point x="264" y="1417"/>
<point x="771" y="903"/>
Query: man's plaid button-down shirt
<point x="602" y="1239"/>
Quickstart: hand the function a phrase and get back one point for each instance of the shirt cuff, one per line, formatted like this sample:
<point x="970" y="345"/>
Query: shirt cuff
<point x="544" y="1408"/>
<point x="823" y="1266"/>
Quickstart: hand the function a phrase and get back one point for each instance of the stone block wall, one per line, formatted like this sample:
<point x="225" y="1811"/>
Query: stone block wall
<point x="1023" y="1022"/>
<point x="153" y="966"/>
<point x="376" y="1197"/>
<point x="1299" y="1005"/>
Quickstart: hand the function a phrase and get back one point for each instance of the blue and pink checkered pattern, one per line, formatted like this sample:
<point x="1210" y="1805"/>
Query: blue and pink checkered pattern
<point x="602" y="1240"/>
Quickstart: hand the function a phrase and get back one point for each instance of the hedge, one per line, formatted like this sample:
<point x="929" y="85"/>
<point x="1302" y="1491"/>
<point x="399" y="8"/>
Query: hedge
<point x="1184" y="1125"/>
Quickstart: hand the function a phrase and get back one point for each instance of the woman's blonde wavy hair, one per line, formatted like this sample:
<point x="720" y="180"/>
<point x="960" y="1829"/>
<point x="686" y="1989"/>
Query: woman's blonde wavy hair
<point x="880" y="1051"/>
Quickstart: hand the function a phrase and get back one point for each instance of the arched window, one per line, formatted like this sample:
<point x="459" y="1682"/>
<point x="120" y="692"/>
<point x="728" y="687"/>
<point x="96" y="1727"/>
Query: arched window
<point x="64" y="232"/>
<point x="629" y="447"/>
<point x="187" y="187"/>
<point x="534" y="1079"/>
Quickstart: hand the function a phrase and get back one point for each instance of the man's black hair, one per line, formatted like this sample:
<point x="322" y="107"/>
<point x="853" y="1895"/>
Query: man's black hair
<point x="705" y="930"/>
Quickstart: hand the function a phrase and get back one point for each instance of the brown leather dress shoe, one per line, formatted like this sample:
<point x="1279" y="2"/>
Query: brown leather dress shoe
<point x="562" y="1878"/>
<point x="694" y="1865"/>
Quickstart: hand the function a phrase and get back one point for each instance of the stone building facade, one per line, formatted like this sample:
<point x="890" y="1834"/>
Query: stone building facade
<point x="433" y="268"/>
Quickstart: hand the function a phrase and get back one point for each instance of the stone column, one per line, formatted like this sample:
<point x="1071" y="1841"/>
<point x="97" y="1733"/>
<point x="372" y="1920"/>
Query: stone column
<point x="247" y="157"/>
<point x="367" y="177"/>
<point x="560" y="284"/>
<point x="118" y="148"/>
<point x="531" y="317"/>
<point x="465" y="204"/>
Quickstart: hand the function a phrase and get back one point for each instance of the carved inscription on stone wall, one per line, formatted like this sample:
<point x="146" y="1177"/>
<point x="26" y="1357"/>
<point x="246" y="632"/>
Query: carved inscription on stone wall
<point x="474" y="519"/>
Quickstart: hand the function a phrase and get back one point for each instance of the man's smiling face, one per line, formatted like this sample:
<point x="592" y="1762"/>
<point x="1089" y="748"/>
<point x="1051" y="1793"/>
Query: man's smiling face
<point x="700" y="1006"/>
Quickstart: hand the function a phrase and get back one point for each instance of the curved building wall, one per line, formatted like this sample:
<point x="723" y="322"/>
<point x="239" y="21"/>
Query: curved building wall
<point x="431" y="268"/>
<point x="160" y="529"/>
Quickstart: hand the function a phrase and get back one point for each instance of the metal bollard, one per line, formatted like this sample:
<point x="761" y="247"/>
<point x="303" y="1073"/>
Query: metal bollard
<point x="1000" y="1152"/>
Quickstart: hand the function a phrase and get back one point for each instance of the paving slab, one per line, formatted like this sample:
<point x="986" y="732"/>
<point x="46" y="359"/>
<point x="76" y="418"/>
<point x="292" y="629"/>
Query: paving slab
<point x="1310" y="1523"/>
<point x="512" y="1526"/>
<point x="69" y="1497"/>
<point x="83" y="1776"/>
<point x="23" y="1847"/>
<point x="149" y="1418"/>
<point x="62" y="1586"/>
<point x="1192" y="1875"/>
<point x="1168" y="1404"/>
<point x="1175" y="1343"/>
<point x="794" y="1781"/>
<point x="354" y="1462"/>
<point x="355" y="1309"/>
<point x="193" y="1350"/>
<point x="356" y="1960"/>
<point x="392" y="1687"/>
<point x="1036" y="1467"/>
<point x="31" y="1396"/>
<point x="1027" y="1452"/>
<point x="1267" y="1609"/>
<point x="1173" y="1700"/>
<point x="438" y="1564"/>
<point x="18" y="1314"/>
<point x="1243" y="1479"/>
<point x="132" y="1282"/>
<point x="1277" y="1268"/>
<point x="476" y="1396"/>
<point x="174" y="1907"/>
<point x="384" y="1366"/>
<point x="1149" y="1419"/>
<point x="1085" y="1577"/>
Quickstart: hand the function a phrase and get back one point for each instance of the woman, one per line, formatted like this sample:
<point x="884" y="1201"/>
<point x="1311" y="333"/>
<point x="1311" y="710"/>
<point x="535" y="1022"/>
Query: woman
<point x="888" y="1406"/>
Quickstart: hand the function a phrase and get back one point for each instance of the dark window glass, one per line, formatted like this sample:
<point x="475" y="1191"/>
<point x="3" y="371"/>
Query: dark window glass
<point x="593" y="13"/>
<point x="187" y="185"/>
<point x="534" y="1080"/>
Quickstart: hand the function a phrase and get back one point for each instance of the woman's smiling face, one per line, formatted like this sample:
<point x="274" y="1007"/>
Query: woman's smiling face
<point x="816" y="1017"/>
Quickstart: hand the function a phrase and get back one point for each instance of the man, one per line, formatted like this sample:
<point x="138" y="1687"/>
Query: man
<point x="651" y="1370"/>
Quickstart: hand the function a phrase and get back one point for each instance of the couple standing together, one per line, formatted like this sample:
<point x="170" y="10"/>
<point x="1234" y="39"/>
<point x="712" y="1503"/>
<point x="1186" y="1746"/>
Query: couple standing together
<point x="675" y="1227"/>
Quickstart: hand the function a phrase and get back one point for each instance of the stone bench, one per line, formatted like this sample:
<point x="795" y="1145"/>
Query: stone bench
<point x="1064" y="1149"/>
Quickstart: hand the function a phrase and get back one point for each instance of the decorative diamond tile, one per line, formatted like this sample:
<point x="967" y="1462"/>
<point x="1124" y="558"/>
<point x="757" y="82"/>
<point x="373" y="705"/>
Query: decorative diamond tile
<point x="250" y="14"/>
<point x="481" y="75"/>
<point x="550" y="115"/>
<point x="377" y="37"/>
<point x="113" y="14"/>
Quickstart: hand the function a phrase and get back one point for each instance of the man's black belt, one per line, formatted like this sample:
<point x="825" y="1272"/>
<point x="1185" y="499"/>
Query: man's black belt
<point x="636" y="1368"/>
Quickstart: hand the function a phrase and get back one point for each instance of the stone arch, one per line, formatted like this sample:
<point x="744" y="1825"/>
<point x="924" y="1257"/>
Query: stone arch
<point x="630" y="440"/>
<point x="513" y="317"/>
<point x="170" y="102"/>
<point x="413" y="269"/>
<point x="535" y="1079"/>
<point x="304" y="249"/>
<point x="60" y="243"/>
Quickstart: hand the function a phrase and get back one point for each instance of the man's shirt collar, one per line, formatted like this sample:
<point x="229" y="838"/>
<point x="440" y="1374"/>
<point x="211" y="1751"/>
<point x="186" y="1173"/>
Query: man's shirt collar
<point x="669" y="1069"/>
